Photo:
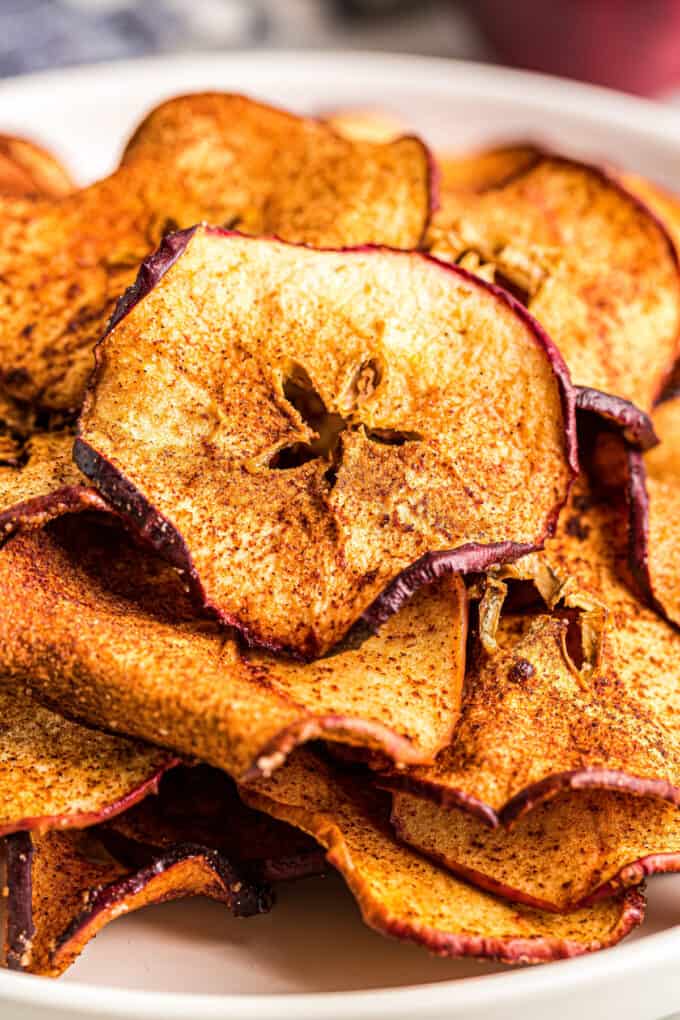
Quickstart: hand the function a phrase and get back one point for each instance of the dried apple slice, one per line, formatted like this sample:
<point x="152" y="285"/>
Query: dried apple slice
<point x="632" y="424"/>
<point x="663" y="462"/>
<point x="200" y="804"/>
<point x="366" y="124"/>
<point x="592" y="262"/>
<point x="664" y="203"/>
<point x="291" y="176"/>
<point x="220" y="158"/>
<point x="654" y="501"/>
<point x="460" y="172"/>
<point x="474" y="172"/>
<point x="16" y="422"/>
<point x="108" y="635"/>
<point x="41" y="482"/>
<point x="342" y="427"/>
<point x="57" y="774"/>
<point x="403" y="895"/>
<point x="533" y="723"/>
<point x="63" y="888"/>
<point x="28" y="169"/>
<point x="25" y="170"/>
<point x="569" y="852"/>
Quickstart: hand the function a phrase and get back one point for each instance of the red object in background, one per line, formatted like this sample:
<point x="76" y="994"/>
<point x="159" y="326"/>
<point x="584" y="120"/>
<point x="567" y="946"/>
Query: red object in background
<point x="627" y="44"/>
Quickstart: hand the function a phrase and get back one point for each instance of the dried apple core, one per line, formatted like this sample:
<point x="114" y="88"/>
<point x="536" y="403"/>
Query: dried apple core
<point x="328" y="426"/>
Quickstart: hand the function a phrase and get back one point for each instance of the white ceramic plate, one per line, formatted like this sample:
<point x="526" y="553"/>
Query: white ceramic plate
<point x="312" y="959"/>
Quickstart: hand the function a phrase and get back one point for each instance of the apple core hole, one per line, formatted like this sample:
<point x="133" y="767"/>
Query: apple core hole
<point x="328" y="426"/>
<point x="300" y="393"/>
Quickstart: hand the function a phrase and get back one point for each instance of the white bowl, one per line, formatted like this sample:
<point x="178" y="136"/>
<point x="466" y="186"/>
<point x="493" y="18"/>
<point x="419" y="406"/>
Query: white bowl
<point x="312" y="959"/>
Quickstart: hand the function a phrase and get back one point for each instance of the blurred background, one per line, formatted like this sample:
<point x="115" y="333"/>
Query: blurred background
<point x="628" y="44"/>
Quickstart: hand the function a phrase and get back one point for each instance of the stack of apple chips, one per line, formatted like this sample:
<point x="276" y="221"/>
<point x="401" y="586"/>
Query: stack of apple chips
<point x="297" y="571"/>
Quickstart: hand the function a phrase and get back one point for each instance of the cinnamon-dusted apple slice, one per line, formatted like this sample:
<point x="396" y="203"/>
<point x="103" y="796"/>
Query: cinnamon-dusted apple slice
<point x="106" y="633"/>
<point x="28" y="169"/>
<point x="16" y="423"/>
<point x="569" y="852"/>
<point x="220" y="158"/>
<point x="38" y="479"/>
<point x="460" y="172"/>
<point x="39" y="482"/>
<point x="663" y="462"/>
<point x="666" y="204"/>
<point x="64" y="887"/>
<point x="57" y="774"/>
<point x="536" y="720"/>
<point x="403" y="895"/>
<point x="291" y="176"/>
<point x="592" y="262"/>
<point x="632" y="425"/>
<point x="200" y="804"/>
<point x="475" y="172"/>
<point x="25" y="170"/>
<point x="366" y="124"/>
<point x="339" y="428"/>
<point x="654" y="501"/>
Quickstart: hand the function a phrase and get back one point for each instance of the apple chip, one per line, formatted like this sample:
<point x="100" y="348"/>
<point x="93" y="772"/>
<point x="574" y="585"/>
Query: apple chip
<point x="25" y="170"/>
<point x="57" y="774"/>
<point x="63" y="888"/>
<point x="460" y="172"/>
<point x="665" y="204"/>
<point x="569" y="852"/>
<point x="535" y="719"/>
<point x="310" y="435"/>
<point x="403" y="895"/>
<point x="663" y="462"/>
<point x="590" y="260"/>
<point x="474" y="172"/>
<point x="220" y="158"/>
<point x="16" y="422"/>
<point x="616" y="414"/>
<point x="28" y="169"/>
<point x="38" y="479"/>
<point x="654" y="501"/>
<point x="41" y="482"/>
<point x="365" y="124"/>
<point x="200" y="804"/>
<point x="106" y="633"/>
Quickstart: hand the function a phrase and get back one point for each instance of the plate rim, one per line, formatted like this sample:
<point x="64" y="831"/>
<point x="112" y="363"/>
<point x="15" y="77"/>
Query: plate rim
<point x="486" y="991"/>
<point x="654" y="952"/>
